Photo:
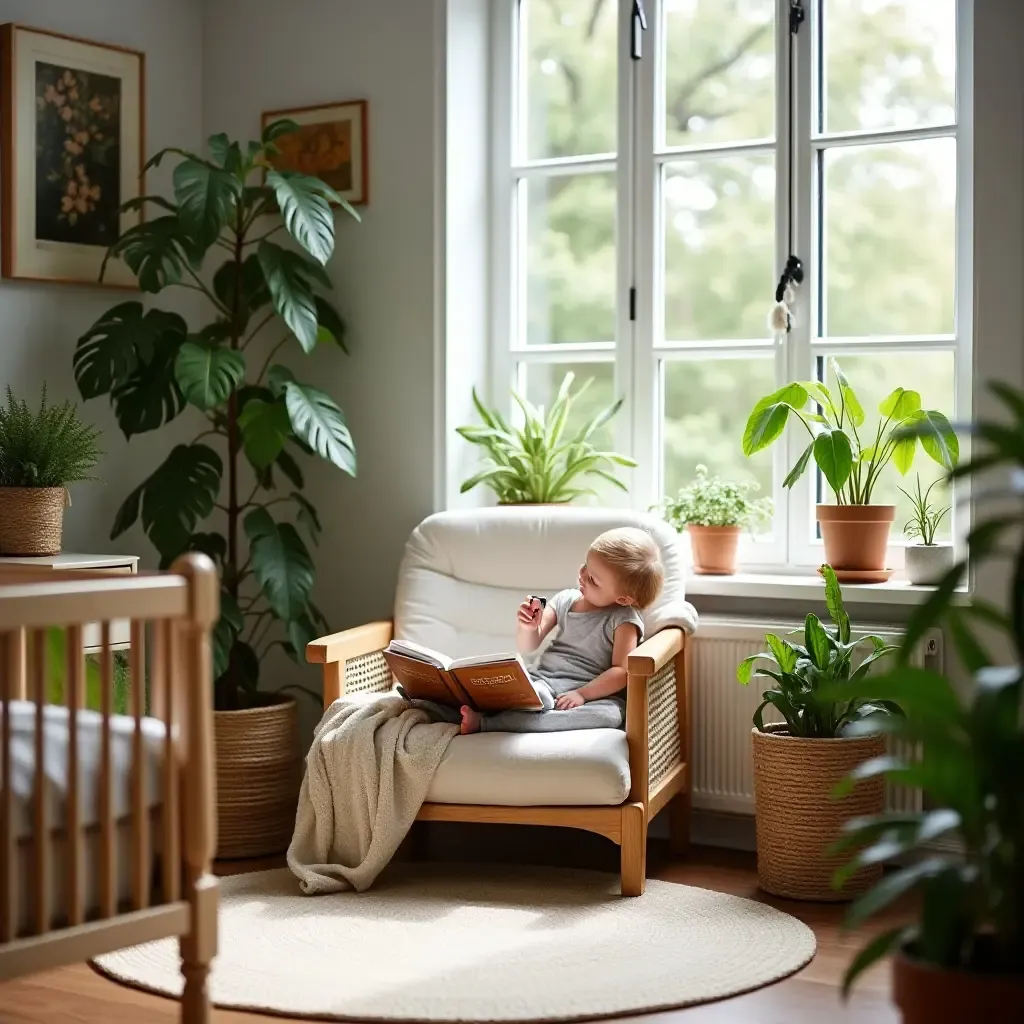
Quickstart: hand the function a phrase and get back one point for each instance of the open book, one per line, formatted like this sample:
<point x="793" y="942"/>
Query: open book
<point x="491" y="682"/>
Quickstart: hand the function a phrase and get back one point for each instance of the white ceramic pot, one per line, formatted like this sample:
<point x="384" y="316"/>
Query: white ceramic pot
<point x="928" y="563"/>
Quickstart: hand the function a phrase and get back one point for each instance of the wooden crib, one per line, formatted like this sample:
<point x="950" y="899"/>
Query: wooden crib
<point x="107" y="821"/>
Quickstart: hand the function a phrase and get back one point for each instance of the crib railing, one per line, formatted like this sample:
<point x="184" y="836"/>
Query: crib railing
<point x="167" y="677"/>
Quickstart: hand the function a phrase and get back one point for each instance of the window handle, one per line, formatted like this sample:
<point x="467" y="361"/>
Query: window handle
<point x="639" y="27"/>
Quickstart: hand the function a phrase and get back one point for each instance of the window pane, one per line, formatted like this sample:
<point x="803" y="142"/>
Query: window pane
<point x="890" y="215"/>
<point x="873" y="378"/>
<point x="569" y="258"/>
<point x="569" y="73"/>
<point x="718" y="71"/>
<point x="706" y="404"/>
<point x="719" y="224"/>
<point x="889" y="63"/>
<point x="544" y="379"/>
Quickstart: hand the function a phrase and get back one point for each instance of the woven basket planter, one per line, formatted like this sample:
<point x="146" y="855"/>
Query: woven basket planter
<point x="31" y="520"/>
<point x="258" y="778"/>
<point x="798" y="819"/>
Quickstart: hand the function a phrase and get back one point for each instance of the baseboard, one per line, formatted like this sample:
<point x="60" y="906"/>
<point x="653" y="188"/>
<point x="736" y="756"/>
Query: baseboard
<point x="713" y="828"/>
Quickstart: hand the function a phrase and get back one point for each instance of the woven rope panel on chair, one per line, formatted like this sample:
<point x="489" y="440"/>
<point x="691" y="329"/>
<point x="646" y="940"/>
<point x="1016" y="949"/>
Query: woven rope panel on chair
<point x="664" y="748"/>
<point x="369" y="673"/>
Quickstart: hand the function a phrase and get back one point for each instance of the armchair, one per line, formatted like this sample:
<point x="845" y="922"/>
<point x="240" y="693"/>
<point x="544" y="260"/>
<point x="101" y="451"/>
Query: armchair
<point x="461" y="577"/>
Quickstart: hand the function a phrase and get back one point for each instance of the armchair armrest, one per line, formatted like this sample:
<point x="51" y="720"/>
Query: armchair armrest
<point x="354" y="653"/>
<point x="656" y="652"/>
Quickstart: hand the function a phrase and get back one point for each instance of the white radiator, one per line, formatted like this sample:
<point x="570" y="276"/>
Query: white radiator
<point x="723" y="778"/>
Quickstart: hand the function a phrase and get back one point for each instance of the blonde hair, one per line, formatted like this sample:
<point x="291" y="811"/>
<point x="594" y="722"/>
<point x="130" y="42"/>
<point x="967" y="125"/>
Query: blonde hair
<point x="633" y="556"/>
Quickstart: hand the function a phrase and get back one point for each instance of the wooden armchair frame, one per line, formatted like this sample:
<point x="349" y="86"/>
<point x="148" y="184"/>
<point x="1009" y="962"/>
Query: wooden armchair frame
<point x="657" y="733"/>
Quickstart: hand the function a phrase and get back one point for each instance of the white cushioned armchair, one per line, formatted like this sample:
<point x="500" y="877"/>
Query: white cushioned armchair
<point x="461" y="578"/>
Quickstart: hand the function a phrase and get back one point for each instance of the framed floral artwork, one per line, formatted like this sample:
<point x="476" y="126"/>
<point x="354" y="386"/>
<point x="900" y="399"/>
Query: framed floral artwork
<point x="71" y="150"/>
<point x="331" y="144"/>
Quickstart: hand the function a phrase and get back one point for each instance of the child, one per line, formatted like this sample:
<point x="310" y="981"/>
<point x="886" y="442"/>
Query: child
<point x="579" y="675"/>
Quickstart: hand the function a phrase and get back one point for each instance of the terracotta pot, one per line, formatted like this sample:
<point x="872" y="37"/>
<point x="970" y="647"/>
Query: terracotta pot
<point x="928" y="563"/>
<point x="714" y="549"/>
<point x="259" y="770"/>
<point x="926" y="994"/>
<point x="856" y="536"/>
<point x="797" y="819"/>
<point x="31" y="520"/>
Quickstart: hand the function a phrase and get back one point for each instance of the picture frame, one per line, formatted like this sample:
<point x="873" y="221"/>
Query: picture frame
<point x="331" y="144"/>
<point x="72" y="150"/>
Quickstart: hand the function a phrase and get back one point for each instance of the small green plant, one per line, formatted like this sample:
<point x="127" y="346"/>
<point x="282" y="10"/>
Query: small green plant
<point x="49" y="448"/>
<point x="539" y="462"/>
<point x="850" y="464"/>
<point x="965" y="755"/>
<point x="926" y="516"/>
<point x="825" y="660"/>
<point x="716" y="502"/>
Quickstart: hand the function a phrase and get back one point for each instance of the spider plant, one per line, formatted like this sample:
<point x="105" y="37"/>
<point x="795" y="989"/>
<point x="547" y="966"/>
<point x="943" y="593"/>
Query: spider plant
<point x="540" y="462"/>
<point x="926" y="516"/>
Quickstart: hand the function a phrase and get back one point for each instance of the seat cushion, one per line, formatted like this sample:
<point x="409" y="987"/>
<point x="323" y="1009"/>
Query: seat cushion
<point x="589" y="767"/>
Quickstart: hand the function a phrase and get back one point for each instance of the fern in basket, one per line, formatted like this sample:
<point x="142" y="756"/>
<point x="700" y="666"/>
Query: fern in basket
<point x="802" y="672"/>
<point x="51" y="447"/>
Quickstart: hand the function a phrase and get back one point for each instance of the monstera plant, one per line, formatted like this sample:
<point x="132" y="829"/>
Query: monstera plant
<point x="235" y="490"/>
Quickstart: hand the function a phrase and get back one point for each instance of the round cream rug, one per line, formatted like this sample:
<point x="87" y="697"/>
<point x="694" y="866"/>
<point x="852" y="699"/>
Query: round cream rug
<point x="454" y="943"/>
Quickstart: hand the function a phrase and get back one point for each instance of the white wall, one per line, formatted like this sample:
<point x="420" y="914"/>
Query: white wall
<point x="42" y="322"/>
<point x="309" y="52"/>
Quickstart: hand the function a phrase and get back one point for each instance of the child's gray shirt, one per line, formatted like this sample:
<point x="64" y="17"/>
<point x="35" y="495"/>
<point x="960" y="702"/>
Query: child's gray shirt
<point x="582" y="650"/>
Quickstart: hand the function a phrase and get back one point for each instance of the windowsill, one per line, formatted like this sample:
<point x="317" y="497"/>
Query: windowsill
<point x="810" y="587"/>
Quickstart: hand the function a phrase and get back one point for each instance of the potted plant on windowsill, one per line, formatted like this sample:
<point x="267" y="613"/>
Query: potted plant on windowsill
<point x="40" y="454"/>
<point x="961" y="959"/>
<point x="928" y="561"/>
<point x="855" y="531"/>
<point x="540" y="463"/>
<point x="235" y="490"/>
<point x="713" y="511"/>
<point x="799" y="762"/>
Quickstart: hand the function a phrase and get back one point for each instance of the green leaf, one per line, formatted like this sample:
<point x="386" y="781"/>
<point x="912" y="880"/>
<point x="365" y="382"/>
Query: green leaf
<point x="931" y="610"/>
<point x="157" y="158"/>
<point x="288" y="279"/>
<point x="880" y="946"/>
<point x="784" y="653"/>
<point x="226" y="632"/>
<point x="891" y="888"/>
<point x="318" y="421"/>
<point x="834" y="603"/>
<point x="903" y="454"/>
<point x="156" y="251"/>
<point x="834" y="455"/>
<point x="207" y="199"/>
<point x="226" y="153"/>
<point x="275" y="129"/>
<point x="938" y="439"/>
<point x="254" y="292"/>
<point x="177" y="495"/>
<point x="745" y="669"/>
<point x="290" y="468"/>
<point x="916" y="690"/>
<point x="849" y="401"/>
<point x="331" y="325"/>
<point x="971" y="653"/>
<point x="214" y="545"/>
<point x="280" y="562"/>
<point x="111" y="350"/>
<point x="816" y="640"/>
<point x="151" y="397"/>
<point x="768" y="418"/>
<point x="801" y="464"/>
<point x="305" y="204"/>
<point x="301" y="631"/>
<point x="265" y="428"/>
<point x="207" y="375"/>
<point x="900" y="404"/>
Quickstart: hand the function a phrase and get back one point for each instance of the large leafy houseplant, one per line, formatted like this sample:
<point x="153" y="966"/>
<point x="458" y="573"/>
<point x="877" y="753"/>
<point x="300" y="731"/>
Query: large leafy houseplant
<point x="540" y="462"/>
<point x="968" y="933"/>
<point x="803" y="673"/>
<point x="216" y="237"/>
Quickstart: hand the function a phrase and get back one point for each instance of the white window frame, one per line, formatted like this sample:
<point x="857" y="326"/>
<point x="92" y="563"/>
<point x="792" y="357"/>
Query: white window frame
<point x="637" y="354"/>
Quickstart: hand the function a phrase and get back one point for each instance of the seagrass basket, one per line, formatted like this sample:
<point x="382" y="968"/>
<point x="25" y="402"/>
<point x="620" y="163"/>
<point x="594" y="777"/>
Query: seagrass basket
<point x="31" y="520"/>
<point x="797" y="817"/>
<point x="258" y="778"/>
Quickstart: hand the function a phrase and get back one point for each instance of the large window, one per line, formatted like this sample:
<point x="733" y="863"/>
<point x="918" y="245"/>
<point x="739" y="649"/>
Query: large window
<point x="650" y="183"/>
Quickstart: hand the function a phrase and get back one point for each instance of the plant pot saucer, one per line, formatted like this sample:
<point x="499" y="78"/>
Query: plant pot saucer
<point x="864" y="575"/>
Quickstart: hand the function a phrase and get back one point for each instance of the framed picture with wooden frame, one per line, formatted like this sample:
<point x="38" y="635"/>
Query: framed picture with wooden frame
<point x="331" y="144"/>
<point x="72" y="150"/>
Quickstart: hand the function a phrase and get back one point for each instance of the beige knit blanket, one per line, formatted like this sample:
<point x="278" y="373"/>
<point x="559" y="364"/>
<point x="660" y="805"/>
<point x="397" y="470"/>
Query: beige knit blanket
<point x="367" y="775"/>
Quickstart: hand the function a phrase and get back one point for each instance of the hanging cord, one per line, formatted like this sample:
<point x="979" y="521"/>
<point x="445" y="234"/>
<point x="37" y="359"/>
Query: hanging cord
<point x="780" y="320"/>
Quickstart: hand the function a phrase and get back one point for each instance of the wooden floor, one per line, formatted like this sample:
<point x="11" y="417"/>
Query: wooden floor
<point x="78" y="995"/>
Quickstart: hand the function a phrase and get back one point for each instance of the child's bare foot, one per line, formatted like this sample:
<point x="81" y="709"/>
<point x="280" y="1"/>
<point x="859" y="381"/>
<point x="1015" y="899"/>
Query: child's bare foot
<point x="470" y="720"/>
